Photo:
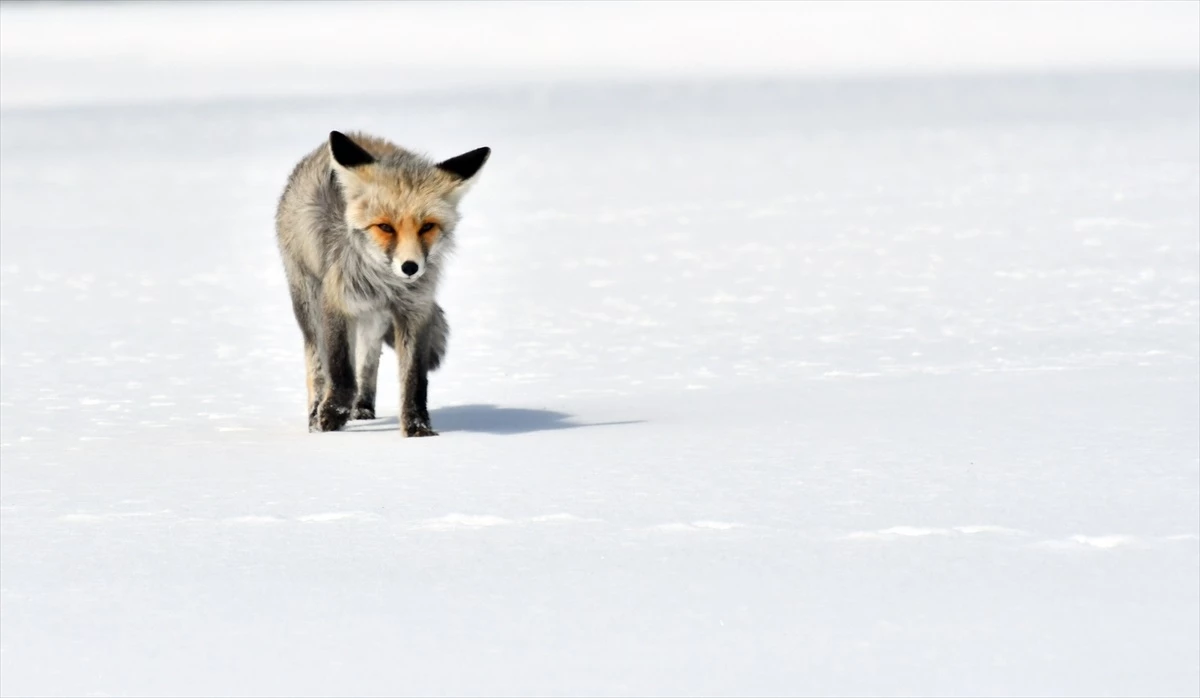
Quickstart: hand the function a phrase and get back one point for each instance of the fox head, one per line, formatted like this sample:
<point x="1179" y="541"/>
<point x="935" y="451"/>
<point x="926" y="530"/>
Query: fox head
<point x="404" y="206"/>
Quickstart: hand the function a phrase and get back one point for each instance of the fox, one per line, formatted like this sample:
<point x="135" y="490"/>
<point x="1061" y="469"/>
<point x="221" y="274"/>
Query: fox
<point x="363" y="228"/>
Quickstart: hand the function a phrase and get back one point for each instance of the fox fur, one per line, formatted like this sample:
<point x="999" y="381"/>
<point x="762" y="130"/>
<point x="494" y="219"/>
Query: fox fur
<point x="364" y="228"/>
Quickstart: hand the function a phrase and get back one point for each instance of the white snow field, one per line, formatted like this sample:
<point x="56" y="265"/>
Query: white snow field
<point x="842" y="381"/>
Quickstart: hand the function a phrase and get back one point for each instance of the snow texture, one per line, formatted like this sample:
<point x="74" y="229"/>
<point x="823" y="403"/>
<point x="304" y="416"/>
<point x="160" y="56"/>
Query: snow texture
<point x="763" y="379"/>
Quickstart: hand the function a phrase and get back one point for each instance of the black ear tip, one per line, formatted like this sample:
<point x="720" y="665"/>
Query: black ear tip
<point x="465" y="166"/>
<point x="480" y="156"/>
<point x="346" y="152"/>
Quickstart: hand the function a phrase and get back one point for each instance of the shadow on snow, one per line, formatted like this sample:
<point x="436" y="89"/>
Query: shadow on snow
<point x="488" y="419"/>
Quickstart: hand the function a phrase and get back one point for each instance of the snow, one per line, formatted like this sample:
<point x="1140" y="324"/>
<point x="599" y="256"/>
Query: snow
<point x="819" y="381"/>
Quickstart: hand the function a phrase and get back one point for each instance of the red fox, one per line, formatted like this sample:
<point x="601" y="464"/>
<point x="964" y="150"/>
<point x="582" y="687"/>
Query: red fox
<point x="363" y="228"/>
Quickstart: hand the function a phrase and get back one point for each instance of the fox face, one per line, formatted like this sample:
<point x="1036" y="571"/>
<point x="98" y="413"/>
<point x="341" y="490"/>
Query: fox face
<point x="403" y="206"/>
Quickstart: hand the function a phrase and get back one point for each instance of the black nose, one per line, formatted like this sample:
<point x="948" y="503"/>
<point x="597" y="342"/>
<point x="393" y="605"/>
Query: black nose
<point x="409" y="268"/>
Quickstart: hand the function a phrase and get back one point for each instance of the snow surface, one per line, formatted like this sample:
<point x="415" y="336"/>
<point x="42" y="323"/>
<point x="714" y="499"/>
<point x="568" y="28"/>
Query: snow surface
<point x="756" y="386"/>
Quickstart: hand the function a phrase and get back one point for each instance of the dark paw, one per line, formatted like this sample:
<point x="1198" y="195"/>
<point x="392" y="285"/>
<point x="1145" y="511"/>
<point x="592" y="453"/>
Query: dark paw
<point x="331" y="416"/>
<point x="419" y="430"/>
<point x="362" y="412"/>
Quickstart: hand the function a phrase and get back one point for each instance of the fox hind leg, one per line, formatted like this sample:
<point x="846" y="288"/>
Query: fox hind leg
<point x="337" y="359"/>
<point x="303" y="305"/>
<point x="315" y="381"/>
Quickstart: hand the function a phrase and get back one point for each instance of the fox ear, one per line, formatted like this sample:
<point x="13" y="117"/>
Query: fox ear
<point x="346" y="152"/>
<point x="467" y="165"/>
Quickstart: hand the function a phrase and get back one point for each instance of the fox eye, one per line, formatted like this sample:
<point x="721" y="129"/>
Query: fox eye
<point x="426" y="228"/>
<point x="387" y="228"/>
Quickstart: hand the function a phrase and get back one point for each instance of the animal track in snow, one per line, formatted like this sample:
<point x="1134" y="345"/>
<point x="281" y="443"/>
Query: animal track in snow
<point x="899" y="532"/>
<point x="1079" y="542"/>
<point x="253" y="520"/>
<point x="340" y="516"/>
<point x="697" y="526"/>
<point x="450" y="522"/>
<point x="561" y="518"/>
<point x="1001" y="530"/>
<point x="459" y="522"/>
<point x="919" y="532"/>
<point x="1104" y="541"/>
<point x="88" y="518"/>
<point x="1109" y="542"/>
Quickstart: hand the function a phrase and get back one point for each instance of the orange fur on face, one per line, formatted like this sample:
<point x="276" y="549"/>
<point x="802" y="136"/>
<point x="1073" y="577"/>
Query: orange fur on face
<point x="385" y="241"/>
<point x="428" y="239"/>
<point x="407" y="233"/>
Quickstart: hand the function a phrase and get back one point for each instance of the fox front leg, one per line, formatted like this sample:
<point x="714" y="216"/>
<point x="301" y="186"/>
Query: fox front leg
<point x="414" y="380"/>
<point x="337" y="359"/>
<point x="369" y="334"/>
